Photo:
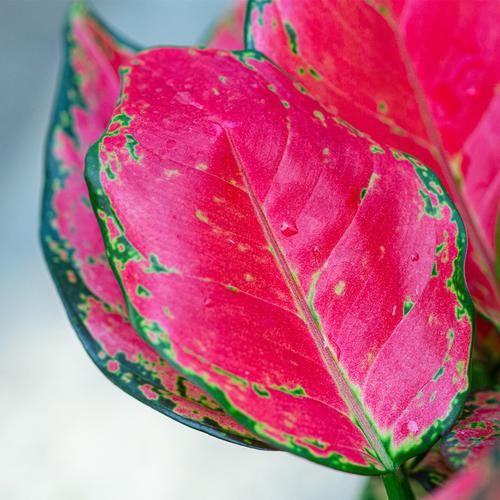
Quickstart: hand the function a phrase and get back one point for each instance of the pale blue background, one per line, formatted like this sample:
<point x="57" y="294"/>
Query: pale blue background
<point x="66" y="433"/>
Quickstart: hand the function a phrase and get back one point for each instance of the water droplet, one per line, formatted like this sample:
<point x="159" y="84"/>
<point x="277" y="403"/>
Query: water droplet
<point x="187" y="98"/>
<point x="412" y="426"/>
<point x="230" y="241"/>
<point x="288" y="229"/>
<point x="415" y="257"/>
<point x="208" y="303"/>
<point x="472" y="91"/>
<point x="316" y="249"/>
<point x="394" y="310"/>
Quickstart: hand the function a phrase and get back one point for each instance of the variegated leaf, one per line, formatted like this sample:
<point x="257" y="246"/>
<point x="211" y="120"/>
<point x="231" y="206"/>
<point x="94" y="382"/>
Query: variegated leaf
<point x="73" y="245"/>
<point x="308" y="278"/>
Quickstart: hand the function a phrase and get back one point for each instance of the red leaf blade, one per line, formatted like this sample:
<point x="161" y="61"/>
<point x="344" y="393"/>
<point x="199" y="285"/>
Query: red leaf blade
<point x="299" y="272"/>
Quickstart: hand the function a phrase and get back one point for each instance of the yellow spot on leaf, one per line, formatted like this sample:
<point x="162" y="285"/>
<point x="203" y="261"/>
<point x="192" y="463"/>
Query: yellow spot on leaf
<point x="171" y="173"/>
<point x="201" y="216"/>
<point x="340" y="287"/>
<point x="320" y="116"/>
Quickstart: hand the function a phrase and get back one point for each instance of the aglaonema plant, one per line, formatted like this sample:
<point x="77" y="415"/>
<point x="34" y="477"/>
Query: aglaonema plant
<point x="243" y="244"/>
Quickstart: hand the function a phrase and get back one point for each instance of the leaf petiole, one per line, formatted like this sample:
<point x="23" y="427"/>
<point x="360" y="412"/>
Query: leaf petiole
<point x="397" y="485"/>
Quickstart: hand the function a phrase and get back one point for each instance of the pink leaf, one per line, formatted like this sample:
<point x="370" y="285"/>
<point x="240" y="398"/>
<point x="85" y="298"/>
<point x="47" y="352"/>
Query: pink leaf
<point x="314" y="276"/>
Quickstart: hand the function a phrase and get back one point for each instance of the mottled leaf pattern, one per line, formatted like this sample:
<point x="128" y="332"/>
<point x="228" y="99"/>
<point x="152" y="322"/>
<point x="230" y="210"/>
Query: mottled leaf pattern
<point x="307" y="277"/>
<point x="374" y="64"/>
<point x="480" y="481"/>
<point x="73" y="245"/>
<point x="476" y="431"/>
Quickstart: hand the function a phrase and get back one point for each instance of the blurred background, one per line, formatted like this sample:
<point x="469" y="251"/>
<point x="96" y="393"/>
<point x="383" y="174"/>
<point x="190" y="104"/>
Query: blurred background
<point x="66" y="433"/>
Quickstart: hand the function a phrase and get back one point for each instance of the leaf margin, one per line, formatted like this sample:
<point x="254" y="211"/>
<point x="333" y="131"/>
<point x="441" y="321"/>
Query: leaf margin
<point x="58" y="270"/>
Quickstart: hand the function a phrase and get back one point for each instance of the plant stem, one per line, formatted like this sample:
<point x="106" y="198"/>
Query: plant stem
<point x="397" y="485"/>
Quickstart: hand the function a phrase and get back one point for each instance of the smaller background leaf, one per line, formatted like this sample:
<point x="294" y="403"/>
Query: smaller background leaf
<point x="227" y="34"/>
<point x="481" y="481"/>
<point x="476" y="432"/>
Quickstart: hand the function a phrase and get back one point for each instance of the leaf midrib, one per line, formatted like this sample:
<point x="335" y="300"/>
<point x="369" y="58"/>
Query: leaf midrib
<point x="320" y="340"/>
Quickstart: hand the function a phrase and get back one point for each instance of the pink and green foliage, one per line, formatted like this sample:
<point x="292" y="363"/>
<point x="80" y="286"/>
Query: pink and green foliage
<point x="312" y="285"/>
<point x="480" y="481"/>
<point x="422" y="76"/>
<point x="475" y="432"/>
<point x="246" y="261"/>
<point x="73" y="245"/>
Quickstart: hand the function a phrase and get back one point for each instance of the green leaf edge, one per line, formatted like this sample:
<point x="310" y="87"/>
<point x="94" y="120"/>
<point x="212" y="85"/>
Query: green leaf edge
<point x="58" y="270"/>
<point x="434" y="432"/>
